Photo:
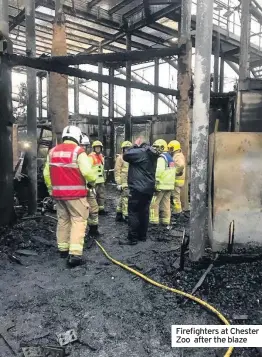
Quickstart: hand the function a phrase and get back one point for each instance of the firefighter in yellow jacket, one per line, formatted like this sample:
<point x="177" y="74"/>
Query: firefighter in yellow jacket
<point x="91" y="199"/>
<point x="121" y="173"/>
<point x="174" y="148"/>
<point x="160" y="211"/>
<point x="98" y="165"/>
<point x="66" y="172"/>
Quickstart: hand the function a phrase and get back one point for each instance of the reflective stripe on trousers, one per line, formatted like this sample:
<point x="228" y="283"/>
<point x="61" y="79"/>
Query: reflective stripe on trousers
<point x="71" y="226"/>
<point x="64" y="188"/>
<point x="122" y="206"/>
<point x="160" y="211"/>
<point x="177" y="207"/>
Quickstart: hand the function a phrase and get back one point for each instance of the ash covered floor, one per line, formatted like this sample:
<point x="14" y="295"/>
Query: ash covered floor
<point x="114" y="313"/>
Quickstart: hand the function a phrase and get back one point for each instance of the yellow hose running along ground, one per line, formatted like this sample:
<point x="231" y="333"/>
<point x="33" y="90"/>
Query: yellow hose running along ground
<point x="175" y="291"/>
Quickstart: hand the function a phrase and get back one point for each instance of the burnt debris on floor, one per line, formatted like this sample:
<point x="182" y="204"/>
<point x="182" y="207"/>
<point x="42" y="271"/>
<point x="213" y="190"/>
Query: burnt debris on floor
<point x="113" y="312"/>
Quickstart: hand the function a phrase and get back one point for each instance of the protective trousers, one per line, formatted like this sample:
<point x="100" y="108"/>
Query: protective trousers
<point x="138" y="215"/>
<point x="160" y="211"/>
<point x="176" y="204"/>
<point x="72" y="218"/>
<point x="93" y="209"/>
<point x="100" y="196"/>
<point x="122" y="206"/>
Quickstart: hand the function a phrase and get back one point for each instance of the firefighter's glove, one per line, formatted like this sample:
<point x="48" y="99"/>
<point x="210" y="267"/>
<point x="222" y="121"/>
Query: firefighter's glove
<point x="91" y="185"/>
<point x="119" y="188"/>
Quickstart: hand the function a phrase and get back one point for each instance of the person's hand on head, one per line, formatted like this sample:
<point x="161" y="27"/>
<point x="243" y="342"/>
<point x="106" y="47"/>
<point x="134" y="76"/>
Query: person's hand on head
<point x="138" y="141"/>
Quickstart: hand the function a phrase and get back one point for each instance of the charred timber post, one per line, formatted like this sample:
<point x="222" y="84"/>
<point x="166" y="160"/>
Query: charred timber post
<point x="58" y="85"/>
<point x="42" y="64"/>
<point x="31" y="107"/>
<point x="156" y="83"/>
<point x="216" y="62"/>
<point x="111" y="115"/>
<point x="245" y="40"/>
<point x="198" y="194"/>
<point x="100" y="99"/>
<point x="6" y="120"/>
<point x="76" y="95"/>
<point x="183" y="130"/>
<point x="128" y="122"/>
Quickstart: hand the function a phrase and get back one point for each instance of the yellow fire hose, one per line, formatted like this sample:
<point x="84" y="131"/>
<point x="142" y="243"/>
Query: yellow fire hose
<point x="175" y="291"/>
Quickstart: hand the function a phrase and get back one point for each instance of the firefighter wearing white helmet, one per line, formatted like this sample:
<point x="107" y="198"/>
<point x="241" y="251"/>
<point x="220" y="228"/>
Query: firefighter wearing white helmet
<point x="98" y="163"/>
<point x="121" y="174"/>
<point x="91" y="199"/>
<point x="174" y="148"/>
<point x="66" y="172"/>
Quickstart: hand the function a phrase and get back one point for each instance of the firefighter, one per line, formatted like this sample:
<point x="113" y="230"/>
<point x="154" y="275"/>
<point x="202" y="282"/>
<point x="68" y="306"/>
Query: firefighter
<point x="91" y="199"/>
<point x="160" y="211"/>
<point x="98" y="165"/>
<point x="66" y="172"/>
<point x="174" y="148"/>
<point x="121" y="173"/>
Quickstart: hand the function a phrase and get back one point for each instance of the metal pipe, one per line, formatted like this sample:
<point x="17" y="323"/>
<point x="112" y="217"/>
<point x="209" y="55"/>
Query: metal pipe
<point x="156" y="83"/>
<point x="216" y="63"/>
<point x="128" y="123"/>
<point x="31" y="107"/>
<point x="47" y="94"/>
<point x="222" y="75"/>
<point x="100" y="98"/>
<point x="76" y="94"/>
<point x="198" y="194"/>
<point x="40" y="97"/>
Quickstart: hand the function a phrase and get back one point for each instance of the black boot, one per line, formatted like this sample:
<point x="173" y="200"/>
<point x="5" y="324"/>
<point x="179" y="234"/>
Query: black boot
<point x="64" y="254"/>
<point x="119" y="217"/>
<point x="128" y="242"/>
<point x="74" y="261"/>
<point x="93" y="231"/>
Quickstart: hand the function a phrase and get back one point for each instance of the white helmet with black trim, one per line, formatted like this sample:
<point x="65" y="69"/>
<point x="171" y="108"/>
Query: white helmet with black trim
<point x="72" y="132"/>
<point x="85" y="140"/>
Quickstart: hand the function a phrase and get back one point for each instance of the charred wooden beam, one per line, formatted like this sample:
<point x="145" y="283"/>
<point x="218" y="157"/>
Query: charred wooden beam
<point x="100" y="101"/>
<point x="93" y="3"/>
<point x="128" y="123"/>
<point x="58" y="85"/>
<point x="184" y="78"/>
<point x="132" y="56"/>
<point x="43" y="64"/>
<point x="118" y="6"/>
<point x="6" y="120"/>
<point x="31" y="107"/>
<point x="20" y="17"/>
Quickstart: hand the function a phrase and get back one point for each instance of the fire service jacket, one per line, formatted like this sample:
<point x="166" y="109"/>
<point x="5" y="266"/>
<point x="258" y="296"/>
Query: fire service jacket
<point x="66" y="171"/>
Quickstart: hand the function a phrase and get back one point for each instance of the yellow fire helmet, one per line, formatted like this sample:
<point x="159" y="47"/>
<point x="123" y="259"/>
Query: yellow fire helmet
<point x="161" y="145"/>
<point x="97" y="143"/>
<point x="126" y="144"/>
<point x="174" y="145"/>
